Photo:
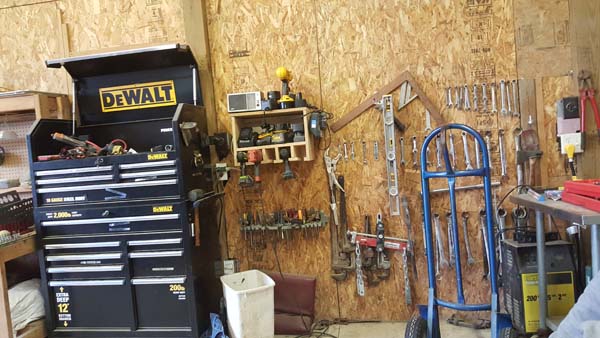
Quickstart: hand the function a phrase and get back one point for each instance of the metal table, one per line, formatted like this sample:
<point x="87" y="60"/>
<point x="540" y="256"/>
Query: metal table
<point x="570" y="213"/>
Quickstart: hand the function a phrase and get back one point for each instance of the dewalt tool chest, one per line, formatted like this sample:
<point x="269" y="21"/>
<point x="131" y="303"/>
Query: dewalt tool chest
<point x="115" y="227"/>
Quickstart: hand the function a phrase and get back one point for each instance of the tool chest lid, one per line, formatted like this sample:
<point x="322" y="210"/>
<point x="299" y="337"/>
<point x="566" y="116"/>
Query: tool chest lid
<point x="132" y="85"/>
<point x="125" y="61"/>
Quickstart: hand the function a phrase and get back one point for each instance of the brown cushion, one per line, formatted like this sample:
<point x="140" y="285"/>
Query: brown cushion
<point x="294" y="294"/>
<point x="292" y="324"/>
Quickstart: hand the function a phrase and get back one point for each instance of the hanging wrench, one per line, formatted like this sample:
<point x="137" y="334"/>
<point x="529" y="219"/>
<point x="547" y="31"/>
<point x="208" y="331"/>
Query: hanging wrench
<point x="514" y="85"/>
<point x="427" y="122"/>
<point x="493" y="90"/>
<point x="414" y="152"/>
<point x="451" y="150"/>
<point x="457" y="98"/>
<point x="376" y="150"/>
<point x="475" y="99"/>
<point x="364" y="146"/>
<point x="402" y="160"/>
<point x="451" y="257"/>
<point x="502" y="153"/>
<point x="465" y="219"/>
<point x="517" y="135"/>
<point x="467" y="102"/>
<point x="449" y="103"/>
<point x="466" y="150"/>
<point x="486" y="261"/>
<point x="508" y="101"/>
<point x="503" y="110"/>
<point x="438" y="238"/>
<point x="484" y="106"/>
<point x="477" y="155"/>
<point x="427" y="153"/>
<point x="345" y="152"/>
<point x="352" y="153"/>
<point x="438" y="152"/>
<point x="488" y="145"/>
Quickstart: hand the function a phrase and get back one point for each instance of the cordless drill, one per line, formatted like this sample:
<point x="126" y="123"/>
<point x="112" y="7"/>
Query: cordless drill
<point x="245" y="180"/>
<point x="284" y="154"/>
<point x="255" y="156"/>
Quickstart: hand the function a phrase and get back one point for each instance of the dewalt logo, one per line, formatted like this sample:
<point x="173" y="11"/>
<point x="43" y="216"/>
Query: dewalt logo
<point x="160" y="156"/>
<point x="138" y="96"/>
<point x="164" y="208"/>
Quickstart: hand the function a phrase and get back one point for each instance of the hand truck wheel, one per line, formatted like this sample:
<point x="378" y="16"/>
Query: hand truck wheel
<point x="508" y="332"/>
<point x="416" y="327"/>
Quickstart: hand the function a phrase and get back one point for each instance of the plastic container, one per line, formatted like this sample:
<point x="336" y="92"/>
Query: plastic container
<point x="249" y="296"/>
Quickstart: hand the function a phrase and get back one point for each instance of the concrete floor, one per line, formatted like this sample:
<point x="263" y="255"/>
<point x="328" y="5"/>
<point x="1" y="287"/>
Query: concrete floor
<point x="395" y="330"/>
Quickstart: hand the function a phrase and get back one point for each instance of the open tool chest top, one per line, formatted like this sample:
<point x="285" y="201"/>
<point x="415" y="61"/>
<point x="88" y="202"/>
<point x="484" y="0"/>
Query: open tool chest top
<point x="141" y="96"/>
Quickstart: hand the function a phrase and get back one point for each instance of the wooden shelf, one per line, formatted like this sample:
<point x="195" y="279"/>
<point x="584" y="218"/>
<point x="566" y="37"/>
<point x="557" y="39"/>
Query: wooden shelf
<point x="19" y="190"/>
<point x="300" y="151"/>
<point x="31" y="105"/>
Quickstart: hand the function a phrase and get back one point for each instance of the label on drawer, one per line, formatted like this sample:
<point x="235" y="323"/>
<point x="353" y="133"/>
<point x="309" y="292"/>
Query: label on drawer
<point x="63" y="307"/>
<point x="163" y="208"/>
<point x="159" y="156"/>
<point x="62" y="214"/>
<point x="67" y="199"/>
<point x="178" y="290"/>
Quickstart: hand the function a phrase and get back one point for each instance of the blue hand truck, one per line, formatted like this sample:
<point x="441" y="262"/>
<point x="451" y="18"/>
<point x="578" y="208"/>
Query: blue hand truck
<point x="425" y="322"/>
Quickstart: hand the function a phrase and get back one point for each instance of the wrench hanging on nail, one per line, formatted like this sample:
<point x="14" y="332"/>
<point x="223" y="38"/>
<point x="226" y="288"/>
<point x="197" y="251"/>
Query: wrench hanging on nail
<point x="345" y="152"/>
<point x="466" y="150"/>
<point x="438" y="152"/>
<point x="467" y="102"/>
<point x="438" y="237"/>
<point x="414" y="152"/>
<point x="503" y="109"/>
<point x="402" y="160"/>
<point x="508" y="100"/>
<point x="502" y="153"/>
<point x="484" y="106"/>
<point x="465" y="221"/>
<point x="477" y="155"/>
<point x="493" y="91"/>
<point x="376" y="150"/>
<point x="352" y="153"/>
<point x="517" y="138"/>
<point x="449" y="103"/>
<point x="486" y="261"/>
<point x="451" y="257"/>
<point x="457" y="98"/>
<point x="514" y="85"/>
<point x="488" y="145"/>
<point x="364" y="149"/>
<point x="428" y="152"/>
<point x="451" y="150"/>
<point x="428" y="128"/>
<point x="475" y="98"/>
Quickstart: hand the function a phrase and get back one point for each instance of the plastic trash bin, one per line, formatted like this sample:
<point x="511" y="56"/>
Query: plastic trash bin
<point x="250" y="301"/>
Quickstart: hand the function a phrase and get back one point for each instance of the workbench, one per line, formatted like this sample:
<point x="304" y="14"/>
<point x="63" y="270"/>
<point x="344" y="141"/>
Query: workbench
<point x="567" y="212"/>
<point x="10" y="251"/>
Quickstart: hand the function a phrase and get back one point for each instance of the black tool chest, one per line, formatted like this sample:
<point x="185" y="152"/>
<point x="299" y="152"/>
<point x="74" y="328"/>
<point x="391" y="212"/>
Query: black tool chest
<point x="116" y="232"/>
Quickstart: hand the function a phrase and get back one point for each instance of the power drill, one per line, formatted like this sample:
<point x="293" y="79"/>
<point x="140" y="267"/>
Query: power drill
<point x="284" y="154"/>
<point x="255" y="156"/>
<point x="286" y="101"/>
<point x="245" y="180"/>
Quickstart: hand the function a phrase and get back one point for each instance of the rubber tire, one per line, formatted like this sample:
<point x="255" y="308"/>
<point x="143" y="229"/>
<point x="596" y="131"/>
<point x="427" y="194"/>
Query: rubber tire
<point x="416" y="327"/>
<point x="508" y="332"/>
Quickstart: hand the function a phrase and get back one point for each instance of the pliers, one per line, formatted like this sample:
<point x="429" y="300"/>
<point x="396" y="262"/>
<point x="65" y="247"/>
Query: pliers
<point x="330" y="165"/>
<point x="587" y="92"/>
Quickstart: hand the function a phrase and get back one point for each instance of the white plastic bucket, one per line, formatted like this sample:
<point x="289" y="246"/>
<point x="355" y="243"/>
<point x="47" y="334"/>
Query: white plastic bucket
<point x="250" y="300"/>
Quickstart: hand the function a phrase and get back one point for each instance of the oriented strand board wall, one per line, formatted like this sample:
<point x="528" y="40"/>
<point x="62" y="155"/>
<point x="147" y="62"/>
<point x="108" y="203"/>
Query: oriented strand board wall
<point x="340" y="52"/>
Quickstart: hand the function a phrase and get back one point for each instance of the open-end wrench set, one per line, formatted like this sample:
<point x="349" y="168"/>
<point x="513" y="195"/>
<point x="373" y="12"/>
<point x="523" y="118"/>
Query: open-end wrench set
<point x="485" y="97"/>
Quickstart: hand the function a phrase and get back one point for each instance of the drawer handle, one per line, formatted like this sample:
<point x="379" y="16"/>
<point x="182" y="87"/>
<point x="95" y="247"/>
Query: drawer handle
<point x="156" y="254"/>
<point x="107" y="186"/>
<point x="74" y="179"/>
<point x="156" y="281"/>
<point x="99" y="282"/>
<point x="147" y="165"/>
<point x="69" y="269"/>
<point x="149" y="173"/>
<point x="83" y="257"/>
<point x="81" y="245"/>
<point x="155" y="242"/>
<point x="72" y="171"/>
<point x="112" y="220"/>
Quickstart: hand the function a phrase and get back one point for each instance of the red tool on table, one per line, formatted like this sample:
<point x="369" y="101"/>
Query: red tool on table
<point x="585" y="193"/>
<point x="587" y="92"/>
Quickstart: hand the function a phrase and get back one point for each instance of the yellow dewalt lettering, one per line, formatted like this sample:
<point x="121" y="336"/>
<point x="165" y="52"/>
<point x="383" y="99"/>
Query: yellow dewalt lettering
<point x="138" y="96"/>
<point x="161" y="156"/>
<point x="164" y="208"/>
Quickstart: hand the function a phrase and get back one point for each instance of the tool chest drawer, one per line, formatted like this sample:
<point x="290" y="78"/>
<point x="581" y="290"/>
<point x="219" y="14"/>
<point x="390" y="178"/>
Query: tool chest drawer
<point x="170" y="293"/>
<point x="71" y="298"/>
<point x="106" y="219"/>
<point x="110" y="178"/>
<point x="157" y="263"/>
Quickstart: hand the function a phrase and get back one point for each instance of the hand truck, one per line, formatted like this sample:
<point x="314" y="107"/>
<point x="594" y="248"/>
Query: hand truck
<point x="425" y="322"/>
